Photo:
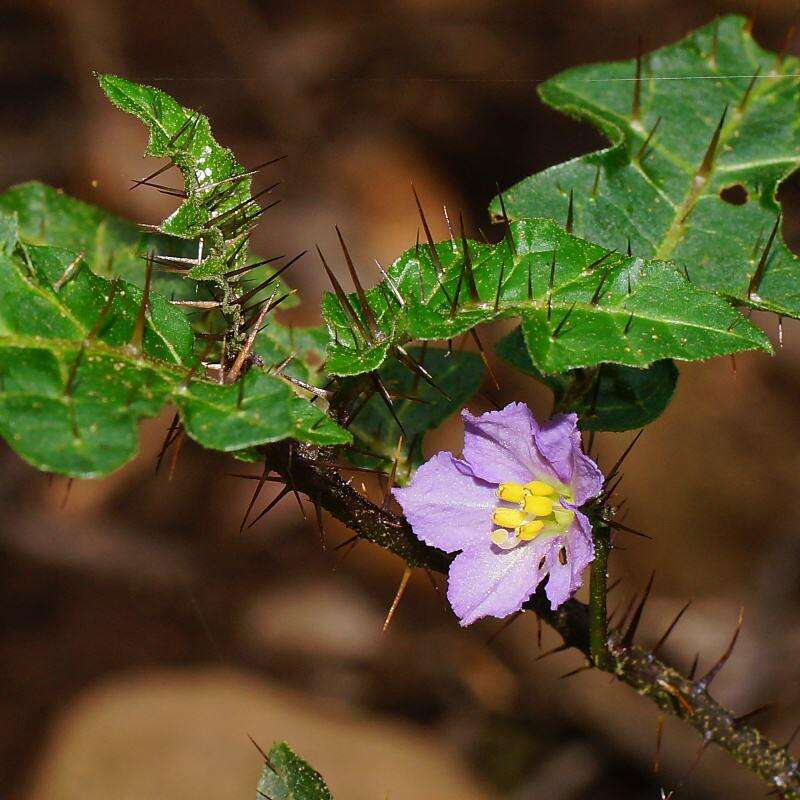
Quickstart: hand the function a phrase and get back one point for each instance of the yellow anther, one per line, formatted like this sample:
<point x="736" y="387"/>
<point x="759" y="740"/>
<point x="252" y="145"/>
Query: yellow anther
<point x="513" y="492"/>
<point x="540" y="487"/>
<point x="499" y="537"/>
<point x="563" y="516"/>
<point x="530" y="530"/>
<point x="508" y="517"/>
<point x="540" y="506"/>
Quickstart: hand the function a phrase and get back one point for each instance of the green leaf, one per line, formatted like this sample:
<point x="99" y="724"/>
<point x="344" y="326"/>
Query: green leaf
<point x="286" y="776"/>
<point x="710" y="212"/>
<point x="112" y="247"/>
<point x="603" y="306"/>
<point x="610" y="397"/>
<point x="458" y="376"/>
<point x="307" y="346"/>
<point x="218" y="207"/>
<point x="78" y="371"/>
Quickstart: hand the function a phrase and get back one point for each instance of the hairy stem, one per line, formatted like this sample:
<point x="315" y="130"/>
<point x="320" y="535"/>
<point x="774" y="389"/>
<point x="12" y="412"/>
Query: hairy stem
<point x="598" y="583"/>
<point x="311" y="471"/>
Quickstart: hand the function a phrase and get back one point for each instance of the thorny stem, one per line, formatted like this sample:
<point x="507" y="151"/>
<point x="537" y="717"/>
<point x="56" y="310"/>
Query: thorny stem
<point x="598" y="615"/>
<point x="310" y="470"/>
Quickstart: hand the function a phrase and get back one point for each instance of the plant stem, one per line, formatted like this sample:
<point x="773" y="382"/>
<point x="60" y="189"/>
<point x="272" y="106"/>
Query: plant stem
<point x="310" y="470"/>
<point x="598" y="581"/>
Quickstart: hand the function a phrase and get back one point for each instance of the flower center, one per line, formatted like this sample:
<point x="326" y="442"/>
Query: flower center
<point x="528" y="510"/>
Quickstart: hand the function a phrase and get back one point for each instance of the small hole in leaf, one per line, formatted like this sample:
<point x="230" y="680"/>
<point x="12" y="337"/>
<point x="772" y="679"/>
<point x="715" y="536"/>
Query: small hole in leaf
<point x="736" y="195"/>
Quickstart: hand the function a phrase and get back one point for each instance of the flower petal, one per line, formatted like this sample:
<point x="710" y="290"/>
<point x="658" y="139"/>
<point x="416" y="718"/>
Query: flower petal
<point x="555" y="440"/>
<point x="499" y="446"/>
<point x="486" y="581"/>
<point x="446" y="505"/>
<point x="566" y="579"/>
<point x="587" y="480"/>
<point x="559" y="442"/>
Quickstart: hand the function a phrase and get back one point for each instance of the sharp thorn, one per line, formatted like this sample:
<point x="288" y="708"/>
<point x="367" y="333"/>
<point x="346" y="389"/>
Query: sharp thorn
<point x="711" y="151"/>
<point x="618" y="463"/>
<point x="401" y="590"/>
<point x="283" y="492"/>
<point x="637" y="83"/>
<point x="557" y="331"/>
<point x="504" y="626"/>
<point x="627" y="639"/>
<point x="431" y="245"/>
<point x="706" y="680"/>
<point x="342" y="297"/>
<point x="366" y="309"/>
<point x="670" y="628"/>
<point x="643" y="151"/>
<point x="758" y="275"/>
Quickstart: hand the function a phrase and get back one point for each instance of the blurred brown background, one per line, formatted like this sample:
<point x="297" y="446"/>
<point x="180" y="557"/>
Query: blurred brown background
<point x="144" y="639"/>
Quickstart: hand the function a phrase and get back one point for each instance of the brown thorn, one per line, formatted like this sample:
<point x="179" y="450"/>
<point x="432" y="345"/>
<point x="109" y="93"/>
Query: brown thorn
<point x="168" y="440"/>
<point x="245" y="298"/>
<point x="366" y="310"/>
<point x="758" y="275"/>
<point x="595" y="299"/>
<point x="693" y="669"/>
<point x="577" y="671"/>
<point x="469" y="273"/>
<point x="141" y="319"/>
<point x="159" y="171"/>
<point x="70" y="271"/>
<point x="659" y="736"/>
<point x="706" y="680"/>
<point x="377" y="382"/>
<point x="560" y="649"/>
<point x="262" y="479"/>
<point x="628" y="609"/>
<point x="101" y="317"/>
<point x="570" y="212"/>
<point x="624" y="455"/>
<point x="670" y="628"/>
<point x="263" y="754"/>
<point x="342" y="297"/>
<point x="484" y="357"/>
<point x="695" y="761"/>
<point x="628" y="324"/>
<point x="711" y="151"/>
<point x="431" y="246"/>
<point x="596" y="179"/>
<point x="550" y="281"/>
<point x="714" y="43"/>
<point x="790" y="740"/>
<point x="627" y="639"/>
<point x="67" y="492"/>
<point x="620" y="527"/>
<point x="504" y="626"/>
<point x="238" y="364"/>
<point x="401" y="590"/>
<point x="320" y="527"/>
<point x="419" y="371"/>
<point x="744" y="718"/>
<point x="512" y="250"/>
<point x="180" y="438"/>
<point x="387" y="494"/>
<point x="640" y="156"/>
<point x="557" y="331"/>
<point x="283" y="492"/>
<point x="241" y="270"/>
<point x="746" y="96"/>
<point x="189" y="120"/>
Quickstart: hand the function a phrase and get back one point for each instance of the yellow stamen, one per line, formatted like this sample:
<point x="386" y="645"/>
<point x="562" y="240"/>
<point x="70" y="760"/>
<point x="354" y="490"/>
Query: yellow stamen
<point x="513" y="492"/>
<point x="540" y="506"/>
<point x="540" y="487"/>
<point x="499" y="537"/>
<point x="508" y="517"/>
<point x="530" y="530"/>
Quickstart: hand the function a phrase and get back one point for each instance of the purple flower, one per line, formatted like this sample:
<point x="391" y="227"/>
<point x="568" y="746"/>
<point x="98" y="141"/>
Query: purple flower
<point x="510" y="505"/>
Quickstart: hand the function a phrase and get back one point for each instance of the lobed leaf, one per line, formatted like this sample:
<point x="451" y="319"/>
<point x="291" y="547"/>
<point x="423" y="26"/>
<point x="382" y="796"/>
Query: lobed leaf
<point x="611" y="397"/>
<point x="600" y="306"/>
<point x="80" y="366"/>
<point x="286" y="776"/>
<point x="666" y="184"/>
